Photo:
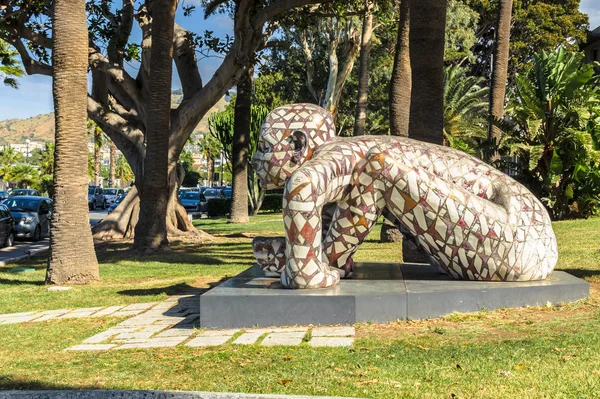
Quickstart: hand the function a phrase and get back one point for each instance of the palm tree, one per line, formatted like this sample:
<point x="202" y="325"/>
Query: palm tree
<point x="43" y="158"/>
<point x="427" y="28"/>
<point x="113" y="163"/>
<point x="240" y="148"/>
<point x="464" y="110"/>
<point x="499" y="68"/>
<point x="123" y="171"/>
<point x="401" y="81"/>
<point x="9" y="65"/>
<point x="72" y="256"/>
<point x="22" y="174"/>
<point x="9" y="156"/>
<point x="151" y="230"/>
<point x="363" y="71"/>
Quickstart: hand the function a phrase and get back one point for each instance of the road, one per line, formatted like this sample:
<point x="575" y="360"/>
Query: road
<point x="22" y="248"/>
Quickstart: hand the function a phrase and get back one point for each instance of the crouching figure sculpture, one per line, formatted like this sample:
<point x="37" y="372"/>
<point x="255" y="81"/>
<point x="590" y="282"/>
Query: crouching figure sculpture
<point x="474" y="222"/>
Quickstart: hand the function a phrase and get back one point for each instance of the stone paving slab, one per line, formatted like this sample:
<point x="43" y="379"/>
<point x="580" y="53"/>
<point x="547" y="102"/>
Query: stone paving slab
<point x="286" y="339"/>
<point x="248" y="338"/>
<point x="342" y="331"/>
<point x="79" y="313"/>
<point x="107" y="311"/>
<point x="213" y="340"/>
<point x="331" y="341"/>
<point x="91" y="347"/>
<point x="51" y="314"/>
<point x="154" y="343"/>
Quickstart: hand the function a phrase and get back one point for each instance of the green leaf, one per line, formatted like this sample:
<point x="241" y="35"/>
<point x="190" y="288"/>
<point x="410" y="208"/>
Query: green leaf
<point x="535" y="153"/>
<point x="556" y="164"/>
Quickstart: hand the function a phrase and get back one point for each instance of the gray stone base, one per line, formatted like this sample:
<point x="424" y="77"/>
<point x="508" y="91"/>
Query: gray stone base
<point x="378" y="292"/>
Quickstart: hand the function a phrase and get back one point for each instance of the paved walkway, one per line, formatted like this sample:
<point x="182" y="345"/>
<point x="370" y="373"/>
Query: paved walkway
<point x="25" y="248"/>
<point x="175" y="322"/>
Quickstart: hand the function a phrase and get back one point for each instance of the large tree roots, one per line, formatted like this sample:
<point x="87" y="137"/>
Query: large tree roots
<point x="120" y="224"/>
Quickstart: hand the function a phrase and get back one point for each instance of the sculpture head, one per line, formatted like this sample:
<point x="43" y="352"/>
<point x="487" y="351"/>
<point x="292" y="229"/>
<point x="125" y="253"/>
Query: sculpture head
<point x="288" y="138"/>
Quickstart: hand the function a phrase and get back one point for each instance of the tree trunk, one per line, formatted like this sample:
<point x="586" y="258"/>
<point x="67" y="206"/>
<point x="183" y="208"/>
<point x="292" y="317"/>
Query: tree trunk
<point x="499" y="68"/>
<point x="363" y="72"/>
<point x="426" y="47"/>
<point x="401" y="81"/>
<point x="113" y="164"/>
<point x="240" y="148"/>
<point x="399" y="102"/>
<point x="427" y="28"/>
<point x="151" y="231"/>
<point x="97" y="155"/>
<point x="210" y="170"/>
<point x="72" y="255"/>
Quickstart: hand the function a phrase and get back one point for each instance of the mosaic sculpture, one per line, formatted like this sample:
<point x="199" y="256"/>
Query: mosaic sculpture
<point x="474" y="222"/>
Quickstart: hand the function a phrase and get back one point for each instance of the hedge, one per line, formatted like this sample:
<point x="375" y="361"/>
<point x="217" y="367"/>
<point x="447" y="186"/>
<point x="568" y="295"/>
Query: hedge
<point x="272" y="203"/>
<point x="218" y="207"/>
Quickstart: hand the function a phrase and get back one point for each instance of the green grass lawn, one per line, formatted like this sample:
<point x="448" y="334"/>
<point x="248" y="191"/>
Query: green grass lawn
<point x="551" y="352"/>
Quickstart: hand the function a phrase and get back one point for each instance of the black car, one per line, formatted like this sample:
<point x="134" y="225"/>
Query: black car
<point x="3" y="195"/>
<point x="31" y="214"/>
<point x="7" y="227"/>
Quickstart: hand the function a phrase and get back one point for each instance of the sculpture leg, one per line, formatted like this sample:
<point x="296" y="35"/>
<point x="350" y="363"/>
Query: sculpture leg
<point x="269" y="253"/>
<point x="471" y="237"/>
<point x="352" y="222"/>
<point x="302" y="216"/>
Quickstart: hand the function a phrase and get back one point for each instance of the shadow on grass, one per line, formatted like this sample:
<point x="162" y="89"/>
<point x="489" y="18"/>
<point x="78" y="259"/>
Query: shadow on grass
<point x="20" y="384"/>
<point x="581" y="273"/>
<point x="176" y="289"/>
<point x="4" y="281"/>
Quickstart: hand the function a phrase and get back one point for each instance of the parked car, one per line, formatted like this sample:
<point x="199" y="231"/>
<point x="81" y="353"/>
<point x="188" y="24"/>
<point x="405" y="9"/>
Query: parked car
<point x="227" y="191"/>
<point x="211" y="193"/>
<point x="96" y="198"/>
<point x="193" y="201"/>
<point x="7" y="227"/>
<point x="3" y="195"/>
<point x="111" y="194"/>
<point x="24" y="191"/>
<point x="32" y="216"/>
<point x="116" y="202"/>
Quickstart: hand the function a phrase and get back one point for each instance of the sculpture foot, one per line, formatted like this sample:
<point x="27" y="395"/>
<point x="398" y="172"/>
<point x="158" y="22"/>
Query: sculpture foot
<point x="322" y="279"/>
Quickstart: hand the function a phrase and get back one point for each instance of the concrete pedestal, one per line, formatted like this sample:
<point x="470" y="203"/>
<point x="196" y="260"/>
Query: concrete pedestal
<point x="378" y="292"/>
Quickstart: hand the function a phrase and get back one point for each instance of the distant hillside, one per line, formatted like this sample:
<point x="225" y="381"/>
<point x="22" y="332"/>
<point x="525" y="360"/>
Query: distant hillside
<point x="36" y="128"/>
<point x="41" y="127"/>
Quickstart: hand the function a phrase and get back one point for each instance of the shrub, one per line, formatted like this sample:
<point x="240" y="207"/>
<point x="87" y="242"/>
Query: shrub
<point x="272" y="203"/>
<point x="218" y="207"/>
<point x="554" y="131"/>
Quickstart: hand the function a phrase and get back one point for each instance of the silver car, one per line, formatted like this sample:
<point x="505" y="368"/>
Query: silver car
<point x="32" y="216"/>
<point x="111" y="194"/>
<point x="96" y="198"/>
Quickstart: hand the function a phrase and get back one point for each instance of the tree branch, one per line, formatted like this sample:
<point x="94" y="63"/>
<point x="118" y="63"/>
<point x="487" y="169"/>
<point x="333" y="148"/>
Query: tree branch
<point x="279" y="7"/>
<point x="119" y="76"/>
<point x="32" y="67"/>
<point x="184" y="55"/>
<point x="119" y="130"/>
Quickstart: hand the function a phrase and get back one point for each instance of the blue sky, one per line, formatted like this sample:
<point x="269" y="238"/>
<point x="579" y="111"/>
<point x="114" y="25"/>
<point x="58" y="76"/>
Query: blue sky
<point x="34" y="96"/>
